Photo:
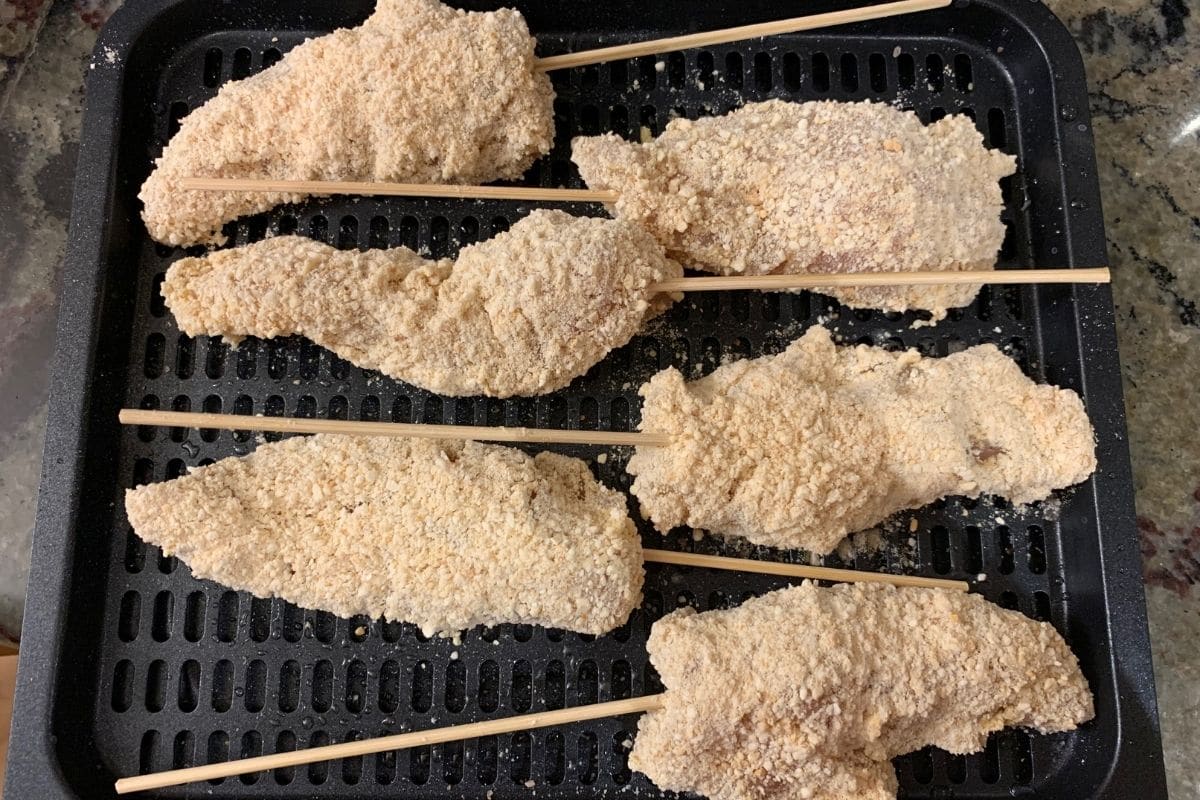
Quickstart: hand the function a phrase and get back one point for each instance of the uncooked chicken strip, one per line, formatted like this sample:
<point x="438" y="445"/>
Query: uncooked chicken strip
<point x="419" y="93"/>
<point x="799" y="449"/>
<point x="521" y="314"/>
<point x="447" y="535"/>
<point x="809" y="692"/>
<point x="779" y="187"/>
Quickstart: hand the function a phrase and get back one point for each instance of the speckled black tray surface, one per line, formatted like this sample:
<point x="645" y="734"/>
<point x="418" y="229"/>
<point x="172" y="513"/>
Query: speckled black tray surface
<point x="131" y="665"/>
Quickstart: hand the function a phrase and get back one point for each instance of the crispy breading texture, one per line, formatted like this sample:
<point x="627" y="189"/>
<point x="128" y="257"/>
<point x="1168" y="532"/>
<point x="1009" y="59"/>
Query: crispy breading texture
<point x="447" y="535"/>
<point x="809" y="692"/>
<point x="779" y="187"/>
<point x="799" y="449"/>
<point x="420" y="93"/>
<point x="523" y="313"/>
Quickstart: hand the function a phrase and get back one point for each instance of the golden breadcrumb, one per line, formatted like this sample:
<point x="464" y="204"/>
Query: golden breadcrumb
<point x="827" y="186"/>
<point x="809" y="692"/>
<point x="447" y="535"/>
<point x="420" y="92"/>
<point x="799" y="449"/>
<point x="520" y="314"/>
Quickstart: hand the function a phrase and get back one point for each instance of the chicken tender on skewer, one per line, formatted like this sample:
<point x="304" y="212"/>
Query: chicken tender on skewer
<point x="520" y="314"/>
<point x="809" y="692"/>
<point x="420" y="92"/>
<point x="780" y="187"/>
<point x="799" y="449"/>
<point x="447" y="535"/>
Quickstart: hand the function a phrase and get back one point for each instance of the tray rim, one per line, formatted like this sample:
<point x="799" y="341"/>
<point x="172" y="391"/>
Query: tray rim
<point x="34" y="769"/>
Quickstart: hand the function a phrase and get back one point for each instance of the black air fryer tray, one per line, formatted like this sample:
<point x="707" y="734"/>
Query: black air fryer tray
<point x="131" y="665"/>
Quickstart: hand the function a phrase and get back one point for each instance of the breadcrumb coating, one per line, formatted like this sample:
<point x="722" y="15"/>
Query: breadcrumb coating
<point x="523" y="313"/>
<point x="809" y="692"/>
<point x="447" y="535"/>
<point x="419" y="93"/>
<point x="779" y="187"/>
<point x="799" y="449"/>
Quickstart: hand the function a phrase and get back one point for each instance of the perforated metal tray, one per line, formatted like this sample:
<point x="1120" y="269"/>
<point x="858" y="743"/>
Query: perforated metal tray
<point x="132" y="665"/>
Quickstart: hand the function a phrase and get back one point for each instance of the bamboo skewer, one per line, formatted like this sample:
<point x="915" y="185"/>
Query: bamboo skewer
<point x="400" y="741"/>
<point x="495" y="727"/>
<point x="706" y="284"/>
<point x="725" y="35"/>
<point x="491" y="727"/>
<point x="564" y="61"/>
<point x="469" y="192"/>
<point x="485" y="433"/>
<point x="713" y="284"/>
<point x="896" y="278"/>
<point x="180" y="419"/>
<point x="233" y="422"/>
<point x="798" y="570"/>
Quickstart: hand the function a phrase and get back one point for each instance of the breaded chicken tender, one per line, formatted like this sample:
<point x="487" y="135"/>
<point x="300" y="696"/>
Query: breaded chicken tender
<point x="799" y="449"/>
<point x="778" y="187"/>
<point x="809" y="692"/>
<point x="447" y="535"/>
<point x="523" y="313"/>
<point x="419" y="93"/>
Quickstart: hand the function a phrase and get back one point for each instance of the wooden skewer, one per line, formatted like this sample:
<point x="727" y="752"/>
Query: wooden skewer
<point x="229" y="422"/>
<point x="182" y="419"/>
<point x="896" y="278"/>
<point x="236" y="422"/>
<point x="495" y="727"/>
<point x="713" y="284"/>
<point x="565" y="61"/>
<point x="706" y="39"/>
<point x="321" y="188"/>
<point x="491" y="727"/>
<point x="799" y="570"/>
<point x="455" y="733"/>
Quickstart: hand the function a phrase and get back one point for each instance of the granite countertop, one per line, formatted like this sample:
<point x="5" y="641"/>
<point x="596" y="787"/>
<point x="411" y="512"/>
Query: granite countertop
<point x="1143" y="65"/>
